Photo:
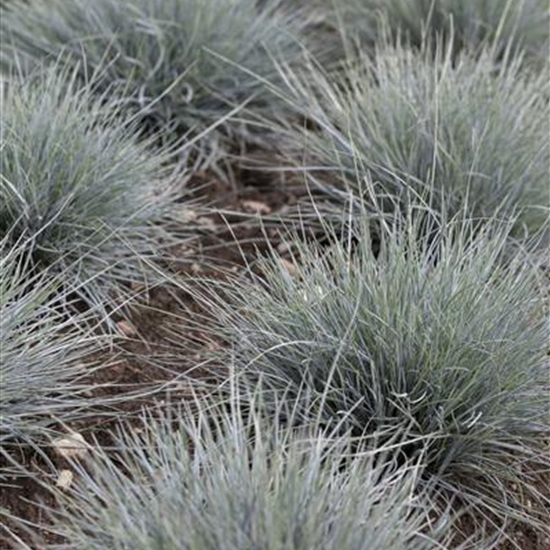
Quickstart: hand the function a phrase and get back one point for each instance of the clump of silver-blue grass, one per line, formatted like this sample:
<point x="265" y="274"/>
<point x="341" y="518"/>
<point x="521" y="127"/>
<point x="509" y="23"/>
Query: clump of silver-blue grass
<point x="45" y="356"/>
<point x="461" y="135"/>
<point x="230" y="479"/>
<point x="513" y="26"/>
<point x="426" y="333"/>
<point x="84" y="195"/>
<point x="180" y="65"/>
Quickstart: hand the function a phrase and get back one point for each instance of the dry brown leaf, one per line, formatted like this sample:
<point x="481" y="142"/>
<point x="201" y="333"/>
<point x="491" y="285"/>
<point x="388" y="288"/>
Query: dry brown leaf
<point x="71" y="446"/>
<point x="256" y="206"/>
<point x="289" y="266"/>
<point x="126" y="328"/>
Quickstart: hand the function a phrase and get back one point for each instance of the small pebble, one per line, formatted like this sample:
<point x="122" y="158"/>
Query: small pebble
<point x="207" y="223"/>
<point x="71" y="446"/>
<point x="64" y="480"/>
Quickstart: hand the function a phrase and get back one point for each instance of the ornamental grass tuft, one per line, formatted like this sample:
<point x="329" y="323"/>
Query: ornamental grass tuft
<point x="45" y="356"/>
<point x="229" y="479"/>
<point x="433" y="338"/>
<point x="513" y="26"/>
<point x="461" y="135"/>
<point x="84" y="195"/>
<point x="180" y="65"/>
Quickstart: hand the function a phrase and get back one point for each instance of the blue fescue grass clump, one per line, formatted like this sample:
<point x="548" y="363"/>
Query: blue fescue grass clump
<point x="428" y="334"/>
<point x="85" y="196"/>
<point x="181" y="65"/>
<point x="229" y="479"/>
<point x="44" y="356"/>
<point x="517" y="26"/>
<point x="461" y="135"/>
